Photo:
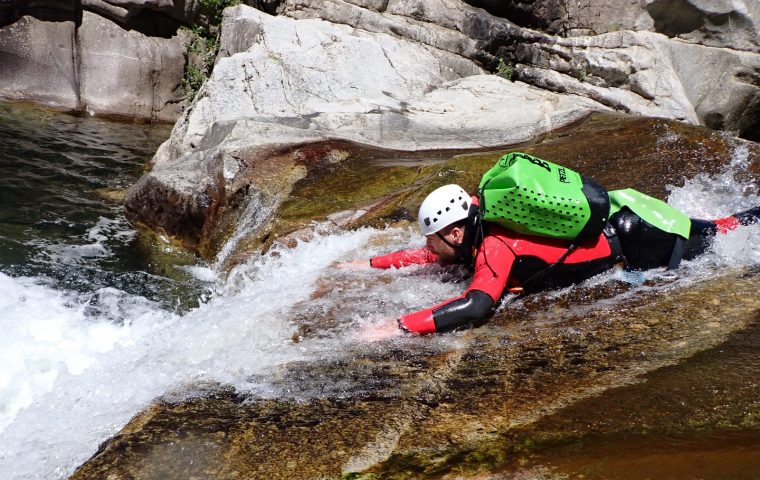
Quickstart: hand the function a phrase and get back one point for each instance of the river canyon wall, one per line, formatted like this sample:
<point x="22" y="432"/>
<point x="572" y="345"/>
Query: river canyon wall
<point x="410" y="76"/>
<point x="692" y="60"/>
<point x="118" y="58"/>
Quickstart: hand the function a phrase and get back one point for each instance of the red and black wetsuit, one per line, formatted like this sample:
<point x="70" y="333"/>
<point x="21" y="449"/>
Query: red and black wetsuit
<point x="506" y="259"/>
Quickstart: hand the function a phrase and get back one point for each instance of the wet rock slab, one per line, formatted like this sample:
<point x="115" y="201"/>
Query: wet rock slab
<point x="485" y="402"/>
<point x="697" y="419"/>
<point x="457" y="405"/>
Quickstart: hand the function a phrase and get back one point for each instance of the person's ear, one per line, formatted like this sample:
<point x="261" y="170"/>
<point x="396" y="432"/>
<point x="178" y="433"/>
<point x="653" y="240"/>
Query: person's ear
<point x="458" y="234"/>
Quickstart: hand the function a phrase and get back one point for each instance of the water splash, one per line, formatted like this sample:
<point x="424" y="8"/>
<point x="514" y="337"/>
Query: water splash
<point x="257" y="211"/>
<point x="714" y="196"/>
<point x="97" y="242"/>
<point x="115" y="358"/>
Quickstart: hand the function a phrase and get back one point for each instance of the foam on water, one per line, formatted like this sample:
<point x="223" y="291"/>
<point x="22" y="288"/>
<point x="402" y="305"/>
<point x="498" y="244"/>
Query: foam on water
<point x="96" y="242"/>
<point x="74" y="376"/>
<point x="716" y="196"/>
<point x="46" y="332"/>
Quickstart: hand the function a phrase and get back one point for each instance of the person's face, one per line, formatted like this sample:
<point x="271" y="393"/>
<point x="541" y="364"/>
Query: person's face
<point x="446" y="254"/>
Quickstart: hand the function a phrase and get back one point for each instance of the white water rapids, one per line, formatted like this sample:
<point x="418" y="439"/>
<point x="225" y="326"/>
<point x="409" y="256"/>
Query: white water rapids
<point x="71" y="376"/>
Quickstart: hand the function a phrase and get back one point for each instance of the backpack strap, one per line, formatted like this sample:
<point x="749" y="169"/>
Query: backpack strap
<point x="677" y="254"/>
<point x="473" y="236"/>
<point x="546" y="271"/>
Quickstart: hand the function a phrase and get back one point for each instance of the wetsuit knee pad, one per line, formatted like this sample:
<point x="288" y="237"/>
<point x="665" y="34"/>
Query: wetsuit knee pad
<point x="646" y="246"/>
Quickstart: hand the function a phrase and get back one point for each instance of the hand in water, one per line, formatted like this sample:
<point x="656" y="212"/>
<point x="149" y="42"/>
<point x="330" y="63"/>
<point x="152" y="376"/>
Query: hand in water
<point x="376" y="331"/>
<point x="359" y="264"/>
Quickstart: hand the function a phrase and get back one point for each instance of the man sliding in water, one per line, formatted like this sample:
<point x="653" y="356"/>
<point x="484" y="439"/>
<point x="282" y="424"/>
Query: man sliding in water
<point x="505" y="261"/>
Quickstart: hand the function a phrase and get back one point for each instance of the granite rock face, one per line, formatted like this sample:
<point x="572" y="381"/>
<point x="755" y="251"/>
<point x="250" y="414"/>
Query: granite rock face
<point x="553" y="44"/>
<point x="648" y="74"/>
<point x="282" y="84"/>
<point x="125" y="73"/>
<point x="102" y="58"/>
<point x="38" y="62"/>
<point x="128" y="12"/>
<point x="704" y="73"/>
<point x="716" y="23"/>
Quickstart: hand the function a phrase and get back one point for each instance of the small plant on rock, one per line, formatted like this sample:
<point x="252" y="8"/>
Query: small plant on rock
<point x="583" y="75"/>
<point x="203" y="44"/>
<point x="504" y="70"/>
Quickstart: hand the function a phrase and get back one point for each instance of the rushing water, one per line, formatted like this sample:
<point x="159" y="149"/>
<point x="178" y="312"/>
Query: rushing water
<point x="93" y="330"/>
<point x="94" y="327"/>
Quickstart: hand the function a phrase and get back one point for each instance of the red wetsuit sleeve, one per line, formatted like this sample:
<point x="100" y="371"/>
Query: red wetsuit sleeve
<point x="492" y="266"/>
<point x="404" y="258"/>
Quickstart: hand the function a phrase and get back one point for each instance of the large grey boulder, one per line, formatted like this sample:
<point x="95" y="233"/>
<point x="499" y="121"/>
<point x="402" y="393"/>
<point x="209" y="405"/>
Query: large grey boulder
<point x="97" y="67"/>
<point x="122" y="58"/>
<point x="649" y="74"/>
<point x="721" y="23"/>
<point x="126" y="73"/>
<point x="718" y="23"/>
<point x="569" y="18"/>
<point x="284" y="83"/>
<point x="37" y="61"/>
<point x="699" y="77"/>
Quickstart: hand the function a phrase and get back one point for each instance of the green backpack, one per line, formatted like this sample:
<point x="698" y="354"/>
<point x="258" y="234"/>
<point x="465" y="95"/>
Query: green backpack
<point x="535" y="197"/>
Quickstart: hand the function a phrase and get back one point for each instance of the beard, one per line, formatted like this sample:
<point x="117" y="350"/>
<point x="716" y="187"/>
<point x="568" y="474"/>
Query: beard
<point x="448" y="258"/>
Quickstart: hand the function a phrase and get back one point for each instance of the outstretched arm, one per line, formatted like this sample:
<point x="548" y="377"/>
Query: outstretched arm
<point x="492" y="266"/>
<point x="404" y="258"/>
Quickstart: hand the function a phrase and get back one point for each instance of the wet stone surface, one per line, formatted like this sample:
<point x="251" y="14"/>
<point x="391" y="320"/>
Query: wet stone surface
<point x="496" y="399"/>
<point x="520" y="395"/>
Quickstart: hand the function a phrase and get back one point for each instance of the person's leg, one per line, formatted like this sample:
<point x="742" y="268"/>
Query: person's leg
<point x="703" y="231"/>
<point x="747" y="217"/>
<point x="646" y="246"/>
<point x="700" y="237"/>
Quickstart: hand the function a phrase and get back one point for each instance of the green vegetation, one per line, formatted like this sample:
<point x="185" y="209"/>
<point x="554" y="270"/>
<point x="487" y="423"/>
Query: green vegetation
<point x="203" y="44"/>
<point x="582" y="74"/>
<point x="505" y="70"/>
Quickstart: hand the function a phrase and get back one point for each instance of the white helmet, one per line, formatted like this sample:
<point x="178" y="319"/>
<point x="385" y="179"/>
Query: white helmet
<point x="444" y="206"/>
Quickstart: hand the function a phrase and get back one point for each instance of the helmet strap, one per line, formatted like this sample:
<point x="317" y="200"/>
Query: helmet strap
<point x="455" y="247"/>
